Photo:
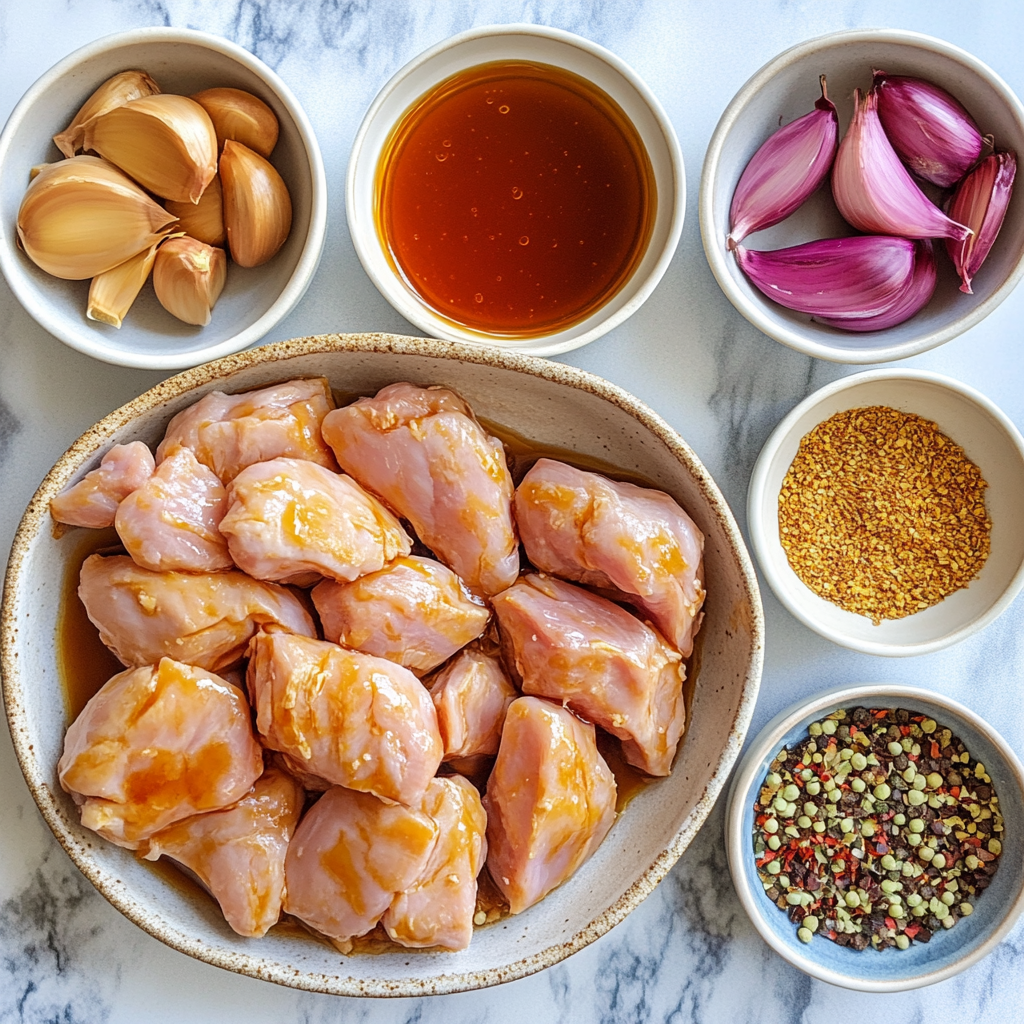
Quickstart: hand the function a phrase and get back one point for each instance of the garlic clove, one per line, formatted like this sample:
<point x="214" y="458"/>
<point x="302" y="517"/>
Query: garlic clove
<point x="929" y="129"/>
<point x="840" y="278"/>
<point x="114" y="92"/>
<point x="203" y="220"/>
<point x="241" y="117"/>
<point x="112" y="293"/>
<point x="166" y="143"/>
<point x="980" y="202"/>
<point x="81" y="217"/>
<point x="784" y="172"/>
<point x="257" y="207"/>
<point x="188" y="277"/>
<point x="872" y="188"/>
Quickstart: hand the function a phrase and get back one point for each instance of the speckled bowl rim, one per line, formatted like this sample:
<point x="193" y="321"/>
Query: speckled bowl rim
<point x="737" y="844"/>
<point x="714" y="248"/>
<point x="419" y="313"/>
<point x="762" y="513"/>
<point x="37" y="520"/>
<point x="312" y="249"/>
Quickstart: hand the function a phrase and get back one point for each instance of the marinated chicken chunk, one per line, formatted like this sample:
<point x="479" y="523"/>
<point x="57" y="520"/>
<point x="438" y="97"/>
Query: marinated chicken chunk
<point x="438" y="908"/>
<point x="203" y="619"/>
<point x="349" y="718"/>
<point x="550" y="801"/>
<point x="94" y="499"/>
<point x="617" y="536"/>
<point x="293" y="521"/>
<point x="605" y="664"/>
<point x="351" y="855"/>
<point x="171" y="522"/>
<point x="414" y="612"/>
<point x="229" y="432"/>
<point x="421" y="450"/>
<point x="238" y="853"/>
<point x="156" y="745"/>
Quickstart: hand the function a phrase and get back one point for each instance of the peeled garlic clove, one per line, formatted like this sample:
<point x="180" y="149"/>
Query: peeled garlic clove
<point x="81" y="217"/>
<point x="112" y="293"/>
<point x="872" y="188"/>
<point x="840" y="278"/>
<point x="929" y="129"/>
<point x="914" y="298"/>
<point x="114" y="92"/>
<point x="257" y="207"/>
<point x="203" y="220"/>
<point x="188" y="277"/>
<point x="784" y="172"/>
<point x="166" y="143"/>
<point x="980" y="202"/>
<point x="241" y="117"/>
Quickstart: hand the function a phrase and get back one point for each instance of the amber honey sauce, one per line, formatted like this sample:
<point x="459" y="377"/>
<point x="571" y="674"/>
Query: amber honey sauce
<point x="515" y="198"/>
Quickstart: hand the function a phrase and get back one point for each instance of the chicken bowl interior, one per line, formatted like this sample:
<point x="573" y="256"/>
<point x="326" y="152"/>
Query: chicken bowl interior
<point x="541" y="410"/>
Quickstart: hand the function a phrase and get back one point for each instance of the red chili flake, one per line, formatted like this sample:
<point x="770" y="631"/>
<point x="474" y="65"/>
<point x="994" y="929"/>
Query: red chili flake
<point x="911" y="930"/>
<point x="955" y="791"/>
<point x="905" y="729"/>
<point x="881" y="713"/>
<point x="890" y="923"/>
<point x="935" y="749"/>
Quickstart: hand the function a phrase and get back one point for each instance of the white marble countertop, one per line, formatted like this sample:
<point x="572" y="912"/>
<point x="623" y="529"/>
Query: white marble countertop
<point x="689" y="952"/>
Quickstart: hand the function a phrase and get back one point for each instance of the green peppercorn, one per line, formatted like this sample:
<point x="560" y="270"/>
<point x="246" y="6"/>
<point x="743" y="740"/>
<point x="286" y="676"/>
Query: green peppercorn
<point x="882" y="791"/>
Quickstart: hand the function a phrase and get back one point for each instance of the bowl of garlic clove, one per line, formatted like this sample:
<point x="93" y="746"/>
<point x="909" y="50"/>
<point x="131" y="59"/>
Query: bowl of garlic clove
<point x="787" y="88"/>
<point x="244" y="297"/>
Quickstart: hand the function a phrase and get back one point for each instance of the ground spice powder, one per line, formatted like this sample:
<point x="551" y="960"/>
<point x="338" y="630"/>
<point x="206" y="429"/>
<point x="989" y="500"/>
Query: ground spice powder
<point x="882" y="514"/>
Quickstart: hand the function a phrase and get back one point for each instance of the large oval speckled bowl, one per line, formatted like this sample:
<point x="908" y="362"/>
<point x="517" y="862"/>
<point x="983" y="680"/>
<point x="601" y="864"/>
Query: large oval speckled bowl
<point x="550" y="404"/>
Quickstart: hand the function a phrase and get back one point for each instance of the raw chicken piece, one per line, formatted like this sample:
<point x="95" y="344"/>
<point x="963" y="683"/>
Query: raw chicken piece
<point x="296" y="769"/>
<point x="293" y="521"/>
<point x="350" y="856"/>
<point x="604" y="663"/>
<point x="203" y="619"/>
<point x="415" y="612"/>
<point x="229" y="432"/>
<point x="94" y="499"/>
<point x="238" y="853"/>
<point x="349" y="718"/>
<point x="550" y="801"/>
<point x="612" y="535"/>
<point x="422" y="451"/>
<point x="471" y="695"/>
<point x="171" y="522"/>
<point x="438" y="908"/>
<point x="155" y="745"/>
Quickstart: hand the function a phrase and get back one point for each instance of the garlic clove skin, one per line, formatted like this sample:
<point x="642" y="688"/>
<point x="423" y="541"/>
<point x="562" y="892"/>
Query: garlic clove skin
<point x="930" y="130"/>
<point x="81" y="217"/>
<point x="874" y="191"/>
<point x="241" y="117"/>
<point x="188" y="277"/>
<point x="114" y="92"/>
<point x="839" y="278"/>
<point x="203" y="220"/>
<point x="785" y="171"/>
<point x="980" y="201"/>
<point x="257" y="207"/>
<point x="112" y="293"/>
<point x="165" y="142"/>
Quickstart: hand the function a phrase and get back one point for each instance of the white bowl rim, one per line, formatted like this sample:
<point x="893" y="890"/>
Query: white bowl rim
<point x="36" y="519"/>
<point x="715" y="250"/>
<point x="418" y="313"/>
<point x="312" y="249"/>
<point x="737" y="844"/>
<point x="758" y="512"/>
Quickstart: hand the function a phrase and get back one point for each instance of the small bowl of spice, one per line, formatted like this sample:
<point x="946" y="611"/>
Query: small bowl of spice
<point x="884" y="511"/>
<point x="874" y="835"/>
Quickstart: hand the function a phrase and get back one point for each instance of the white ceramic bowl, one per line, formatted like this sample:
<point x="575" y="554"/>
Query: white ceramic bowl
<point x="786" y="88"/>
<point x="949" y="952"/>
<point x="557" y="407"/>
<point x="254" y="300"/>
<point x="991" y="442"/>
<point x="549" y="46"/>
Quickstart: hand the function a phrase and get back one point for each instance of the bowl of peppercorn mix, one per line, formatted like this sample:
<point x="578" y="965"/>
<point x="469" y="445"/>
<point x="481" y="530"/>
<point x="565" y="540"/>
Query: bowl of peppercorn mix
<point x="884" y="511"/>
<point x="875" y="836"/>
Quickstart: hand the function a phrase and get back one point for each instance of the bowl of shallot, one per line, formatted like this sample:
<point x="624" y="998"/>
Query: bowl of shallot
<point x="856" y="202"/>
<point x="163" y="199"/>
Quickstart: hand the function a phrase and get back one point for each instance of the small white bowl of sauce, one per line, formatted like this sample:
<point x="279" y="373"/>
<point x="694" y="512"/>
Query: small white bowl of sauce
<point x="516" y="185"/>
